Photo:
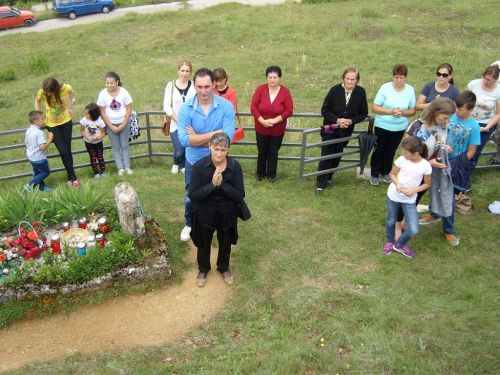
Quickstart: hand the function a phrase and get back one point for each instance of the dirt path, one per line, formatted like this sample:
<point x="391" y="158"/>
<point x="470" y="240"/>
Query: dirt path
<point x="163" y="315"/>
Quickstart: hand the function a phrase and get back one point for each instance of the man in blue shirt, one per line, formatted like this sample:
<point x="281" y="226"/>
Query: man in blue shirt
<point x="199" y="118"/>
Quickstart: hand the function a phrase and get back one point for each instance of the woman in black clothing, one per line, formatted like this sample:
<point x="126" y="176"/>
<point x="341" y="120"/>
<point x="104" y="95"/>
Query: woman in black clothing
<point x="215" y="188"/>
<point x="344" y="106"/>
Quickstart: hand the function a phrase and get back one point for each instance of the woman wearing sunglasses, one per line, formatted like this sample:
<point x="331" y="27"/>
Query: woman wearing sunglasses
<point x="442" y="88"/>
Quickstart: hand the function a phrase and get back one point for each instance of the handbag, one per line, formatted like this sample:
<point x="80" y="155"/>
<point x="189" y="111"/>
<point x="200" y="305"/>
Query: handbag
<point x="239" y="134"/>
<point x="463" y="204"/>
<point x="165" y="125"/>
<point x="243" y="210"/>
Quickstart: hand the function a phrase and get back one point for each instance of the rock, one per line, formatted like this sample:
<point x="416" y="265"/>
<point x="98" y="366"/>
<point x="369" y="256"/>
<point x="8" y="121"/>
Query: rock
<point x="130" y="212"/>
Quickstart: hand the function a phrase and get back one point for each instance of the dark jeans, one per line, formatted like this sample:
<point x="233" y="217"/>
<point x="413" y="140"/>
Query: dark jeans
<point x="62" y="140"/>
<point x="267" y="158"/>
<point x="385" y="149"/>
<point x="205" y="247"/>
<point x="335" y="148"/>
<point x="188" y="205"/>
<point x="484" y="138"/>
<point x="95" y="151"/>
<point x="41" y="171"/>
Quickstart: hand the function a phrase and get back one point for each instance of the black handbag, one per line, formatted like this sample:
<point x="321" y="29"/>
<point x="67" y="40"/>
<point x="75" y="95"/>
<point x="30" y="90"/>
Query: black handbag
<point x="243" y="211"/>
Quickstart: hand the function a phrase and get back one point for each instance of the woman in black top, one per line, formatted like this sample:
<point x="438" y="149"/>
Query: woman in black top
<point x="215" y="188"/>
<point x="344" y="106"/>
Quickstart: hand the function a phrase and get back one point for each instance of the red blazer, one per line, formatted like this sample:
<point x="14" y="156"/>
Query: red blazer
<point x="261" y="106"/>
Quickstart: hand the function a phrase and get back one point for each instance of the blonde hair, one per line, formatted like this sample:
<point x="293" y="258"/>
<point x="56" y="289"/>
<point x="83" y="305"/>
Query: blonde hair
<point x="439" y="106"/>
<point x="185" y="62"/>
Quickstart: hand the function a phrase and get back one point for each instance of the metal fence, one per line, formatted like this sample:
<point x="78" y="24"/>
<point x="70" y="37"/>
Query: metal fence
<point x="149" y="130"/>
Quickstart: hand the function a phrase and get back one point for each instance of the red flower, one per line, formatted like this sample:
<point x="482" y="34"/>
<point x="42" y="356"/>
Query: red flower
<point x="17" y="242"/>
<point x="3" y="257"/>
<point x="24" y="242"/>
<point x="31" y="245"/>
<point x="36" y="223"/>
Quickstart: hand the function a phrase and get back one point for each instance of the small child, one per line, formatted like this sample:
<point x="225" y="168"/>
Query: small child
<point x="406" y="176"/>
<point x="35" y="151"/>
<point x="93" y="130"/>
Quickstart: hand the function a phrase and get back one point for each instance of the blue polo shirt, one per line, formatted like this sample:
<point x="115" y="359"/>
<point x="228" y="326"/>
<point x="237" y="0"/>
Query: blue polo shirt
<point x="220" y="116"/>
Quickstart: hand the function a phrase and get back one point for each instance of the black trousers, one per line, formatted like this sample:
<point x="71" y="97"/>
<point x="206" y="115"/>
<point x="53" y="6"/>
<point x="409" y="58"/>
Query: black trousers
<point x="62" y="140"/>
<point x="267" y="157"/>
<point x="205" y="237"/>
<point x="385" y="149"/>
<point x="330" y="163"/>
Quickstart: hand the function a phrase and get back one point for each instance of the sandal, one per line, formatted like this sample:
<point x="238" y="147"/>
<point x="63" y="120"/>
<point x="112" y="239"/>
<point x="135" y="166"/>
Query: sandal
<point x="201" y="281"/>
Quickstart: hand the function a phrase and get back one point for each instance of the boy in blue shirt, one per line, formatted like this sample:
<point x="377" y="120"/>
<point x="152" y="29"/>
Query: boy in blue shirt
<point x="462" y="141"/>
<point x="35" y="151"/>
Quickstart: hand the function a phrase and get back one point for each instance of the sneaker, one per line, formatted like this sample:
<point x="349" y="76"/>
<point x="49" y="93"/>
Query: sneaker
<point x="374" y="180"/>
<point x="387" y="178"/>
<point x="175" y="169"/>
<point x="388" y="248"/>
<point x="405" y="250"/>
<point x="185" y="234"/>
<point x="329" y="184"/>
<point x="183" y="170"/>
<point x="27" y="187"/>
<point x="96" y="176"/>
<point x="428" y="219"/>
<point x="103" y="175"/>
<point x="47" y="189"/>
<point x="452" y="240"/>
<point x="75" y="184"/>
<point x="121" y="172"/>
<point x="129" y="171"/>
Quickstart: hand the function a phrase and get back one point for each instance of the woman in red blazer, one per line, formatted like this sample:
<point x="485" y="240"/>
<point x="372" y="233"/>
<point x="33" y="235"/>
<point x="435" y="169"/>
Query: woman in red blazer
<point x="271" y="107"/>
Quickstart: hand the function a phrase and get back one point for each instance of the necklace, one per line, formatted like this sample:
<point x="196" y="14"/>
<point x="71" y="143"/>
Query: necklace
<point x="183" y="92"/>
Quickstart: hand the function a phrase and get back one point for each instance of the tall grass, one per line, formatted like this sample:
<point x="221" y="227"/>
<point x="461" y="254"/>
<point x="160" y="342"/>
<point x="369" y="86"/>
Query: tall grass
<point x="312" y="293"/>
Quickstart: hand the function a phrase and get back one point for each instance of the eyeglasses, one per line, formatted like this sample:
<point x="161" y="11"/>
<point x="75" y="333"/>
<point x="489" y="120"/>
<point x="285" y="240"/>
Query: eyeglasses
<point x="445" y="75"/>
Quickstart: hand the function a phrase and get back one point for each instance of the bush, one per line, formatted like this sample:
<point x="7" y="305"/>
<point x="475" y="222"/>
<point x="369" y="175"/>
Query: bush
<point x="38" y="63"/>
<point x="7" y="74"/>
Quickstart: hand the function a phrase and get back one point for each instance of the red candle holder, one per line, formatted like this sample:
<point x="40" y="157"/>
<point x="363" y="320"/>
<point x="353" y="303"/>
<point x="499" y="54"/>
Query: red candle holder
<point x="55" y="244"/>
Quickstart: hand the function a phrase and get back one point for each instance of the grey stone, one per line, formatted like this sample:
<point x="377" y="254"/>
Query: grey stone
<point x="130" y="212"/>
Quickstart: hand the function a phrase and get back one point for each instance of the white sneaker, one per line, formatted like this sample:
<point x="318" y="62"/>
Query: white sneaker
<point x="121" y="172"/>
<point x="96" y="176"/>
<point x="175" y="169"/>
<point x="185" y="234"/>
<point x="129" y="171"/>
<point x="183" y="170"/>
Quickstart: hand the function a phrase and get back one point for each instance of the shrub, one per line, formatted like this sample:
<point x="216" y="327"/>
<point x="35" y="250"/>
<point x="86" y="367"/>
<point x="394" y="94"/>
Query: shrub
<point x="38" y="63"/>
<point x="7" y="74"/>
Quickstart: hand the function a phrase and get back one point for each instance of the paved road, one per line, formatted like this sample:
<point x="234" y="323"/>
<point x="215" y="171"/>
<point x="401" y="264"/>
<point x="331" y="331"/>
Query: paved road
<point x="58" y="23"/>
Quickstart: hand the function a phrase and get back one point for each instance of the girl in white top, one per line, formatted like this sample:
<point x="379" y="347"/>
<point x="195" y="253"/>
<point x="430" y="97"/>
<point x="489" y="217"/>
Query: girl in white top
<point x="115" y="104"/>
<point x="176" y="93"/>
<point x="485" y="111"/>
<point x="406" y="176"/>
<point x="93" y="130"/>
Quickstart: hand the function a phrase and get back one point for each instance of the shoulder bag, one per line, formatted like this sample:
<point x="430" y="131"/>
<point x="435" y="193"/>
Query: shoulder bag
<point x="165" y="126"/>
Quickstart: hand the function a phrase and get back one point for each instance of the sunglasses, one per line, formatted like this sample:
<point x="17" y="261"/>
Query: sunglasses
<point x="445" y="75"/>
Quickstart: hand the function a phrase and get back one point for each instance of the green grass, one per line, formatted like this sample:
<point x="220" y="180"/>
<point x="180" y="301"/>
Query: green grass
<point x="307" y="268"/>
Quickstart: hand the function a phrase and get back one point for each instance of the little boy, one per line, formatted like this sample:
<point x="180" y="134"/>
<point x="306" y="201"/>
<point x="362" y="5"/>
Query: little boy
<point x="35" y="151"/>
<point x="463" y="138"/>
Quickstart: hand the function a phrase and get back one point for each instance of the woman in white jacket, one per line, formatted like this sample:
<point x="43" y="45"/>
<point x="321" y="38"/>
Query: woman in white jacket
<point x="176" y="93"/>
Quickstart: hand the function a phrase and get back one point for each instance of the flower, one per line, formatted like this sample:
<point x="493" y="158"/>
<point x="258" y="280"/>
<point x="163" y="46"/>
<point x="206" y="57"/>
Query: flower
<point x="32" y="235"/>
<point x="36" y="224"/>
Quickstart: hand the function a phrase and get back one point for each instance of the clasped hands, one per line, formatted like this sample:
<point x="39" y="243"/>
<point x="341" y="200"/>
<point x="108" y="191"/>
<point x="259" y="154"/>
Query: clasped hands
<point x="344" y="123"/>
<point x="217" y="177"/>
<point x="408" y="192"/>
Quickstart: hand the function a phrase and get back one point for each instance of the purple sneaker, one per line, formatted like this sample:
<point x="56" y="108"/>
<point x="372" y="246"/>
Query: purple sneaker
<point x="388" y="248"/>
<point x="405" y="250"/>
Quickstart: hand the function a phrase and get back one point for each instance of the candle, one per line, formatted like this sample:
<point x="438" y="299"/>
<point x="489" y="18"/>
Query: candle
<point x="91" y="241"/>
<point x="82" y="250"/>
<point x="100" y="239"/>
<point x="55" y="244"/>
<point x="102" y="225"/>
<point x="65" y="226"/>
<point x="83" y="223"/>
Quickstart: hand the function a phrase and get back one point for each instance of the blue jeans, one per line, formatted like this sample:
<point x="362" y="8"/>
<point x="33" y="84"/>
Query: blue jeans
<point x="411" y="214"/>
<point x="120" y="142"/>
<point x="448" y="222"/>
<point x="179" y="150"/>
<point x="41" y="171"/>
<point x="188" y="205"/>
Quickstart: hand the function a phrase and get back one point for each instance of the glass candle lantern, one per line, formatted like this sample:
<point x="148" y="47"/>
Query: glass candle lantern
<point x="55" y="244"/>
<point x="103" y="225"/>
